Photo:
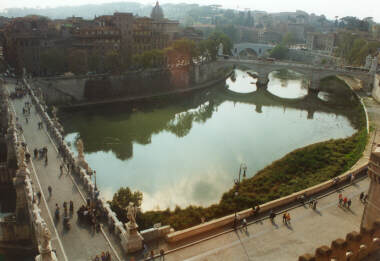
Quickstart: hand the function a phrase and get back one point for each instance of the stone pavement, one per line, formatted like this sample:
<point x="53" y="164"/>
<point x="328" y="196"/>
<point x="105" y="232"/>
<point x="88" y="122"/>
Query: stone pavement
<point x="264" y="241"/>
<point x="80" y="243"/>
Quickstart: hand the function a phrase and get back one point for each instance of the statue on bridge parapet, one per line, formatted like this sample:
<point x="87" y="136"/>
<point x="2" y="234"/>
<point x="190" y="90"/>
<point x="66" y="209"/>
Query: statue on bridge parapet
<point x="134" y="239"/>
<point x="44" y="236"/>
<point x="80" y="149"/>
<point x="80" y="160"/>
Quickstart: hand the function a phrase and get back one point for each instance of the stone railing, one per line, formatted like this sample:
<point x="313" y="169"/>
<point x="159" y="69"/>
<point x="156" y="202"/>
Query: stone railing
<point x="82" y="170"/>
<point x="22" y="178"/>
<point x="356" y="246"/>
<point x="272" y="205"/>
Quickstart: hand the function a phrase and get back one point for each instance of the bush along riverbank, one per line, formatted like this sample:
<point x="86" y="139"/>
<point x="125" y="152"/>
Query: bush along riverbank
<point x="298" y="170"/>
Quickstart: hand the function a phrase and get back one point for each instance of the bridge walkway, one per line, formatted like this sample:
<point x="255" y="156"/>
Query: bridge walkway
<point x="80" y="243"/>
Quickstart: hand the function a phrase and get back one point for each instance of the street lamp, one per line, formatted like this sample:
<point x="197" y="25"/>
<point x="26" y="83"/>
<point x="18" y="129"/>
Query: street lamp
<point x="95" y="179"/>
<point x="243" y="167"/>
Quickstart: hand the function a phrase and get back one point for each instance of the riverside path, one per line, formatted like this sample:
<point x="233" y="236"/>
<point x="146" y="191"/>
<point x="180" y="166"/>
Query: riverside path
<point x="80" y="243"/>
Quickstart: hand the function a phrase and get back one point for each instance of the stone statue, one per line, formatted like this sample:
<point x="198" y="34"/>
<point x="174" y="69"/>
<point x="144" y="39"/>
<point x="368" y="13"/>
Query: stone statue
<point x="80" y="149"/>
<point x="131" y="213"/>
<point x="21" y="152"/>
<point x="45" y="237"/>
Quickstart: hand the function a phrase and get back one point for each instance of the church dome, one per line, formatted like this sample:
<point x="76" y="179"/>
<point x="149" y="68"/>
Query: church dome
<point x="157" y="13"/>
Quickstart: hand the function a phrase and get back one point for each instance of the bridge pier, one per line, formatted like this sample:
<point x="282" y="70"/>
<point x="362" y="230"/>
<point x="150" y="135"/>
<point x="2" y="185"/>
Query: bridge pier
<point x="314" y="87"/>
<point x="262" y="81"/>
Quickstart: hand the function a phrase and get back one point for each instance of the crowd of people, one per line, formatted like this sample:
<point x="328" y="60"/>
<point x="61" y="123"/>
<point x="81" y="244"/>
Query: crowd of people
<point x="344" y="201"/>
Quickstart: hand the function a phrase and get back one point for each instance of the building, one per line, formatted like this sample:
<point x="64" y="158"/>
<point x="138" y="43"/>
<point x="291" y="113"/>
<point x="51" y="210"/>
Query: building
<point x="298" y="32"/>
<point x="321" y="42"/>
<point x="269" y="37"/>
<point x="372" y="208"/>
<point x="23" y="40"/>
<point x="375" y="29"/>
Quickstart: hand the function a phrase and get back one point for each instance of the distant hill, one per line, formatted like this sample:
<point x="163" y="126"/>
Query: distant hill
<point x="171" y="11"/>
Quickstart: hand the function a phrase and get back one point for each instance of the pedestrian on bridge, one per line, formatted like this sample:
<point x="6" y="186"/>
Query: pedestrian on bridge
<point x="71" y="206"/>
<point x="50" y="191"/>
<point x="39" y="197"/>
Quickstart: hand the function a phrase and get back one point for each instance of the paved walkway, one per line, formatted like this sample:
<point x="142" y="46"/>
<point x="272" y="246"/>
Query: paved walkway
<point x="79" y="243"/>
<point x="263" y="241"/>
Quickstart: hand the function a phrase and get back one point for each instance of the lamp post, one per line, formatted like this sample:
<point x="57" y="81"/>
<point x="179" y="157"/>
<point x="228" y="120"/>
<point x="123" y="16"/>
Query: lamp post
<point x="243" y="167"/>
<point x="95" y="179"/>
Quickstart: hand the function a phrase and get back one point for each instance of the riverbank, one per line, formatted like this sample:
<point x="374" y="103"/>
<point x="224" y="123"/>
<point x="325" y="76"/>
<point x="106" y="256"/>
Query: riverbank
<point x="295" y="171"/>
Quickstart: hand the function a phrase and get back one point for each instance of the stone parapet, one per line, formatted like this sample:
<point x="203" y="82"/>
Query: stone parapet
<point x="272" y="205"/>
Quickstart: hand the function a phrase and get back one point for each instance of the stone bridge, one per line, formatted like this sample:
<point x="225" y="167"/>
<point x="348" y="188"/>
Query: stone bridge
<point x="313" y="73"/>
<point x="257" y="48"/>
<point x="31" y="226"/>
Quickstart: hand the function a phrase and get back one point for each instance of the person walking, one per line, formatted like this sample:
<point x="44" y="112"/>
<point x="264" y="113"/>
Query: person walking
<point x="284" y="218"/>
<point x="349" y="203"/>
<point x="245" y="225"/>
<point x="365" y="198"/>
<point x="340" y="199"/>
<point x="39" y="197"/>
<point x="361" y="196"/>
<point x="315" y="204"/>
<point x="272" y="215"/>
<point x="345" y="202"/>
<point x="35" y="152"/>
<point x="287" y="218"/>
<point x="46" y="159"/>
<point x="162" y="254"/>
<point x="71" y="206"/>
<point x="50" y="191"/>
<point x="108" y="256"/>
<point x="151" y="257"/>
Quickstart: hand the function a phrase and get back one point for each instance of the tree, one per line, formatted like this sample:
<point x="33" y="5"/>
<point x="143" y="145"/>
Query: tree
<point x="121" y="200"/>
<point x="288" y="39"/>
<point x="279" y="52"/>
<point x="94" y="62"/>
<point x="112" y="62"/>
<point x="53" y="61"/>
<point x="211" y="45"/>
<point x="77" y="61"/>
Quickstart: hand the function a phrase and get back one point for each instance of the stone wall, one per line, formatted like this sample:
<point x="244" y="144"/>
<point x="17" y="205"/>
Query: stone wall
<point x="70" y="90"/>
<point x="309" y="57"/>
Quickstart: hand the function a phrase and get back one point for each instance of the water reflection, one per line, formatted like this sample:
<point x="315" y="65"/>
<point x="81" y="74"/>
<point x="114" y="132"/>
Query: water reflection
<point x="293" y="85"/>
<point x="188" y="151"/>
<point x="241" y="82"/>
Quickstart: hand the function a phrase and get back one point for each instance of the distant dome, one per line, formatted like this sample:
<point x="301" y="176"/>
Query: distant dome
<point x="157" y="13"/>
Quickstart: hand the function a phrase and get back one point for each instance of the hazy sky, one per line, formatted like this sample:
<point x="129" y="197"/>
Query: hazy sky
<point x="330" y="8"/>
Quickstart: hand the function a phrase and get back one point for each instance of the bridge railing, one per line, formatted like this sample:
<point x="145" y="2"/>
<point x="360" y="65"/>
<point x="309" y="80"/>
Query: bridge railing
<point x="23" y="179"/>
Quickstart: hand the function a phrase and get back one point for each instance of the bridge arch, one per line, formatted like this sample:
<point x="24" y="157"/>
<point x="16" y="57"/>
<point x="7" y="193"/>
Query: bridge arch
<point x="259" y="49"/>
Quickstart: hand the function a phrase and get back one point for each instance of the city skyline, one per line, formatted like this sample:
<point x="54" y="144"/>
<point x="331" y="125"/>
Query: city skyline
<point x="328" y="8"/>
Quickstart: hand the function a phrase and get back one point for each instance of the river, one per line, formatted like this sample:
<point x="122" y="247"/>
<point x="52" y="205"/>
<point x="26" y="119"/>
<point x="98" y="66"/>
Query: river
<point x="188" y="150"/>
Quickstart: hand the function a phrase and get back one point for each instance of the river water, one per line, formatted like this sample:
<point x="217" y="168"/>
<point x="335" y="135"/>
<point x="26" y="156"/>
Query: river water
<point x="187" y="151"/>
